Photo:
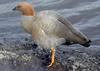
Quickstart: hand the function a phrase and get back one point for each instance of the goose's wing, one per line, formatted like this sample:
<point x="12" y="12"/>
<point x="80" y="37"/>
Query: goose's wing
<point x="64" y="28"/>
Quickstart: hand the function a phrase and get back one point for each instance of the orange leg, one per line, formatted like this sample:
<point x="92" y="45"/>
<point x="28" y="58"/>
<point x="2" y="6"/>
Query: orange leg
<point x="52" y="57"/>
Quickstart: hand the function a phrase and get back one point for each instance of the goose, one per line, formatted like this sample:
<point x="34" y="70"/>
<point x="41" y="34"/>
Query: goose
<point x="49" y="29"/>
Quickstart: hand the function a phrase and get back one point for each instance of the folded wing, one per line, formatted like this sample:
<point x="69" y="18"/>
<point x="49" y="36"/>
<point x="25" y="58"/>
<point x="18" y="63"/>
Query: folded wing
<point x="61" y="27"/>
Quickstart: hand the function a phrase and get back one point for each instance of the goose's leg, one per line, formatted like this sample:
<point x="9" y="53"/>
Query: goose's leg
<point x="52" y="57"/>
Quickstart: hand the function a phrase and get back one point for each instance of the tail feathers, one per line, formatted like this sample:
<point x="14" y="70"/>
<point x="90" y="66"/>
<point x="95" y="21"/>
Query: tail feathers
<point x="87" y="44"/>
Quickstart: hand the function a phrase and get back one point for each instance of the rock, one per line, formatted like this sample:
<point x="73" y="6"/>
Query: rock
<point x="22" y="55"/>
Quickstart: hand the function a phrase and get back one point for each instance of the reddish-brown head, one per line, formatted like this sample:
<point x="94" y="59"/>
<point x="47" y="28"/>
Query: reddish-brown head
<point x="25" y="8"/>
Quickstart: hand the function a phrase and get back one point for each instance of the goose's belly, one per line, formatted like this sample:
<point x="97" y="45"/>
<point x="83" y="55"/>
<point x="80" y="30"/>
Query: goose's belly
<point x="49" y="41"/>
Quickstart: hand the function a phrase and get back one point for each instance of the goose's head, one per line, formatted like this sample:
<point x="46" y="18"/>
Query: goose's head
<point x="25" y="8"/>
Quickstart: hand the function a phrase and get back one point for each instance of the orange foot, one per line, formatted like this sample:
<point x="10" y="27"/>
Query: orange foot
<point x="52" y="57"/>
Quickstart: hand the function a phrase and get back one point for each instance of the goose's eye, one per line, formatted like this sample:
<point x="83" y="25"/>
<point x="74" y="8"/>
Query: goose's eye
<point x="19" y="6"/>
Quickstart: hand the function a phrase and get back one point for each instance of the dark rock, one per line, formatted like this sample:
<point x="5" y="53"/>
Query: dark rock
<point x="21" y="56"/>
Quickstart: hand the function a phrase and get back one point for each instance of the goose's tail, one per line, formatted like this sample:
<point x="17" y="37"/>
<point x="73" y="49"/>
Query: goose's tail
<point x="87" y="44"/>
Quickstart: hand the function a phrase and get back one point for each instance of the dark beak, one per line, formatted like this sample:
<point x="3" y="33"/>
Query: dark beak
<point x="14" y="9"/>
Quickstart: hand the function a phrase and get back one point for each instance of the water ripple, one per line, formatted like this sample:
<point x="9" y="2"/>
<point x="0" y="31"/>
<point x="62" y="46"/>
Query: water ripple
<point x="78" y="9"/>
<point x="94" y="22"/>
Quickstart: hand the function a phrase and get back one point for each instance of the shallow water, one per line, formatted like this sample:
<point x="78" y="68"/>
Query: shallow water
<point x="84" y="14"/>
